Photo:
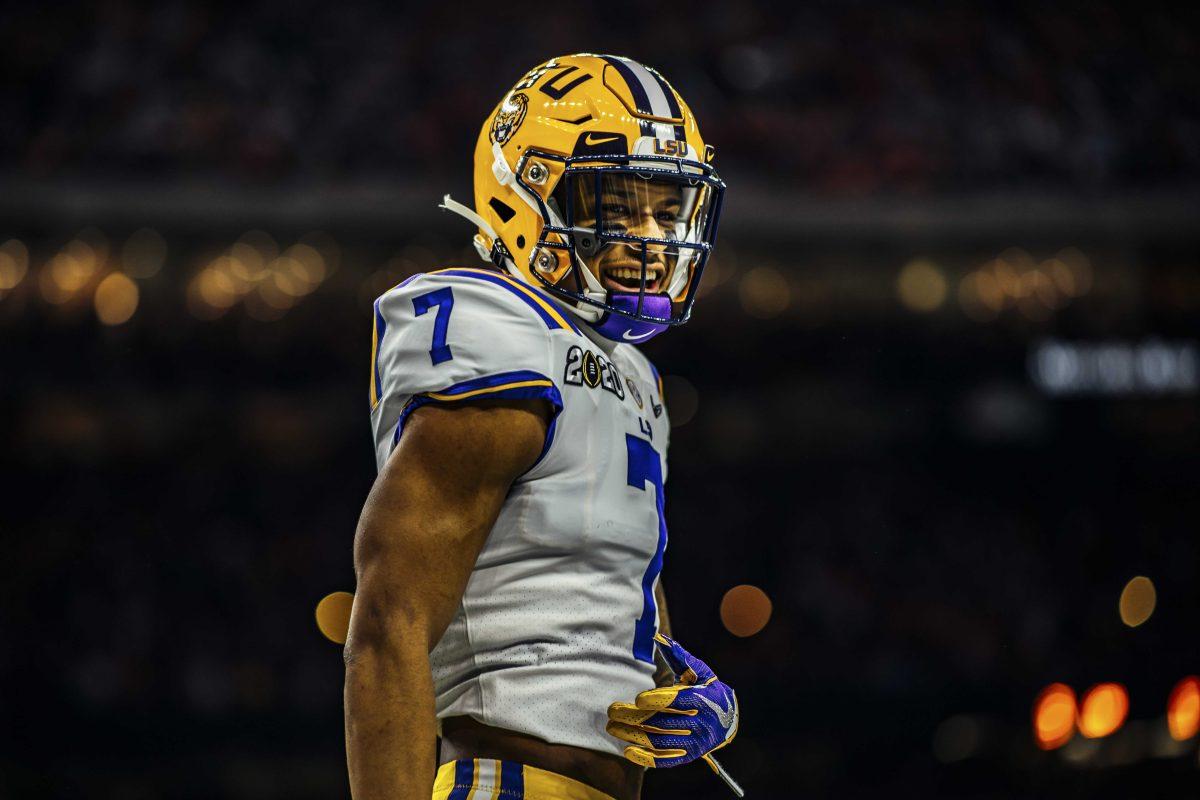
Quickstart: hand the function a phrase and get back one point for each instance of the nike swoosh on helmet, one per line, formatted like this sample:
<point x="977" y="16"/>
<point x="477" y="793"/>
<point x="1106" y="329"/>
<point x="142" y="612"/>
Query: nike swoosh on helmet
<point x="591" y="139"/>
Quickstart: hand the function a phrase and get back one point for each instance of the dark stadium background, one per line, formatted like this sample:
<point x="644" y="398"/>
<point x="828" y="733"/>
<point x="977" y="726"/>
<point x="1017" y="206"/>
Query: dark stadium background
<point x="938" y="401"/>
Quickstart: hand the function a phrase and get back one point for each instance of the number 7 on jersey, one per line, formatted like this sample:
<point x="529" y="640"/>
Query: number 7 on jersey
<point x="646" y="465"/>
<point x="444" y="300"/>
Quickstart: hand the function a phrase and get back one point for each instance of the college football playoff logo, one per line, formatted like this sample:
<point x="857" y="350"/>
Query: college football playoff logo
<point x="509" y="117"/>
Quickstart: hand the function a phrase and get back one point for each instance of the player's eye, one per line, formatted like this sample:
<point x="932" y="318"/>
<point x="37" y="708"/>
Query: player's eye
<point x="615" y="210"/>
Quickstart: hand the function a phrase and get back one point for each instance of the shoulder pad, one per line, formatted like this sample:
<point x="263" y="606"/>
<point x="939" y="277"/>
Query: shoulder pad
<point x="459" y="334"/>
<point x="493" y="287"/>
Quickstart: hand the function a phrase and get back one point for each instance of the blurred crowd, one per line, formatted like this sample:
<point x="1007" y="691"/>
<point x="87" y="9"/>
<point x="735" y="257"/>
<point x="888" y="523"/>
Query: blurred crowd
<point x="832" y="98"/>
<point x="936" y="536"/>
<point x="856" y="429"/>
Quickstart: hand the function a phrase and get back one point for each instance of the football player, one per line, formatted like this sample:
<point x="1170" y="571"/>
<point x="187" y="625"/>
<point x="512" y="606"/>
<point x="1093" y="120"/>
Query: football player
<point x="508" y="556"/>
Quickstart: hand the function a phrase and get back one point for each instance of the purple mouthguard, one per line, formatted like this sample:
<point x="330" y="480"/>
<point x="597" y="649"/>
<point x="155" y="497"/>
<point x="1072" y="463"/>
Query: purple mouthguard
<point x="633" y="331"/>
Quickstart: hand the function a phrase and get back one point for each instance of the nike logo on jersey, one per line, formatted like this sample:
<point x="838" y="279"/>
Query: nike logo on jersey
<point x="639" y="336"/>
<point x="725" y="716"/>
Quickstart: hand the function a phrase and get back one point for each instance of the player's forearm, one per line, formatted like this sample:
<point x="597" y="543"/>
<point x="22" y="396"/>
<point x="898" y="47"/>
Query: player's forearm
<point x="664" y="617"/>
<point x="400" y="611"/>
<point x="663" y="676"/>
<point x="390" y="723"/>
<point x="422" y="528"/>
<point x="406" y="596"/>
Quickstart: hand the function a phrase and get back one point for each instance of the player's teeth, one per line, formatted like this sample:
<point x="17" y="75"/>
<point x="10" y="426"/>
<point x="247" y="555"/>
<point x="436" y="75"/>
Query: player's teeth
<point x="634" y="274"/>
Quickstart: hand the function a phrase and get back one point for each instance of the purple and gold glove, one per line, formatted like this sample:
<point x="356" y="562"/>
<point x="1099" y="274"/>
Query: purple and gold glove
<point x="677" y="724"/>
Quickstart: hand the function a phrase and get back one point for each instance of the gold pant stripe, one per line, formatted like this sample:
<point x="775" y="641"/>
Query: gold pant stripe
<point x="485" y="783"/>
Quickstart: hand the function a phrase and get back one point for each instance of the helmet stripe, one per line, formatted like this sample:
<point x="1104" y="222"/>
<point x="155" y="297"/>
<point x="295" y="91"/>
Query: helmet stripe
<point x="672" y="103"/>
<point x="650" y="88"/>
<point x="655" y="93"/>
<point x="640" y="100"/>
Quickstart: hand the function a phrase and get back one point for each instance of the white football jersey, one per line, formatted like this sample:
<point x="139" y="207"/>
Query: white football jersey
<point x="558" y="618"/>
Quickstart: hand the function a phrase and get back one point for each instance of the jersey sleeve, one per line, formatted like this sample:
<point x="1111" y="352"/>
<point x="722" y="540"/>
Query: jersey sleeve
<point x="458" y="335"/>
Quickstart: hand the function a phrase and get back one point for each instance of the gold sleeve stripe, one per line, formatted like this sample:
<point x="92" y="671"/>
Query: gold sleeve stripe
<point x="486" y="390"/>
<point x="374" y="390"/>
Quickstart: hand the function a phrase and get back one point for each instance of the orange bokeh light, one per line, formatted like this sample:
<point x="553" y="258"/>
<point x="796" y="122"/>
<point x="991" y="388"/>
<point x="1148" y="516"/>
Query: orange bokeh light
<point x="745" y="610"/>
<point x="1054" y="716"/>
<point x="1183" y="709"/>
<point x="333" y="615"/>
<point x="1104" y="709"/>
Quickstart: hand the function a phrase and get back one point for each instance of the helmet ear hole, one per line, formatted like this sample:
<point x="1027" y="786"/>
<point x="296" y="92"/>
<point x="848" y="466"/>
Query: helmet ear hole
<point x="521" y="242"/>
<point x="503" y="210"/>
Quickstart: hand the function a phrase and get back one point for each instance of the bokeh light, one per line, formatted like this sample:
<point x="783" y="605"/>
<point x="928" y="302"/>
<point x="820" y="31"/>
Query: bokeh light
<point x="250" y="255"/>
<point x="14" y="263"/>
<point x="218" y="285"/>
<point x="324" y="244"/>
<point x="1103" y="710"/>
<point x="957" y="738"/>
<point x="1137" y="602"/>
<point x="69" y="272"/>
<point x="308" y="264"/>
<point x="333" y="615"/>
<point x="262" y="242"/>
<point x="379" y="281"/>
<point x="681" y="398"/>
<point x="1079" y="267"/>
<point x="143" y="253"/>
<point x="279" y="288"/>
<point x="116" y="299"/>
<point x="1054" y="716"/>
<point x="1014" y="280"/>
<point x="258" y="306"/>
<point x="74" y="266"/>
<point x="253" y="272"/>
<point x="921" y="286"/>
<point x="745" y="610"/>
<point x="1183" y="709"/>
<point x="976" y="298"/>
<point x="718" y="269"/>
<point x="764" y="292"/>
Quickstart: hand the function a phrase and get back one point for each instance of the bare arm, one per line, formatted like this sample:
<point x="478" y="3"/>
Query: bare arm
<point x="663" y="676"/>
<point x="423" y="525"/>
<point x="660" y="599"/>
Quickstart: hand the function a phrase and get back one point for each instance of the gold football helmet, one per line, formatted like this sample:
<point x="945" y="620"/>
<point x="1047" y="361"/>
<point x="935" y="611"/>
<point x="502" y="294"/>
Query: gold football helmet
<point x="593" y="183"/>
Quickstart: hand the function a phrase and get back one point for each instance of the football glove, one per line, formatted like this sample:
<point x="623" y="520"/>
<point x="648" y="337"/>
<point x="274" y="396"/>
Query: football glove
<point x="677" y="724"/>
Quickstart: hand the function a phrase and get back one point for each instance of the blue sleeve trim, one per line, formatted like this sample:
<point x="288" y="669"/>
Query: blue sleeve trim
<point x="380" y="329"/>
<point x="552" y="316"/>
<point x="408" y="280"/>
<point x="517" y="385"/>
<point x="654" y="371"/>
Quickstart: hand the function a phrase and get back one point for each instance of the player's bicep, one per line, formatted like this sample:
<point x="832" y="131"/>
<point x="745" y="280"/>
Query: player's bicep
<point x="431" y="508"/>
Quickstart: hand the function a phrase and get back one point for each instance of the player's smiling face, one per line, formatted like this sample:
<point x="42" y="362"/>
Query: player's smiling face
<point x="637" y="207"/>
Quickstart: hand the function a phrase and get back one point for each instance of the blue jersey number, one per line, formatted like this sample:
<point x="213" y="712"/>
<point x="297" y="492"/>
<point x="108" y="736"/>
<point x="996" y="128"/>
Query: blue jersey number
<point x="645" y="465"/>
<point x="444" y="300"/>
